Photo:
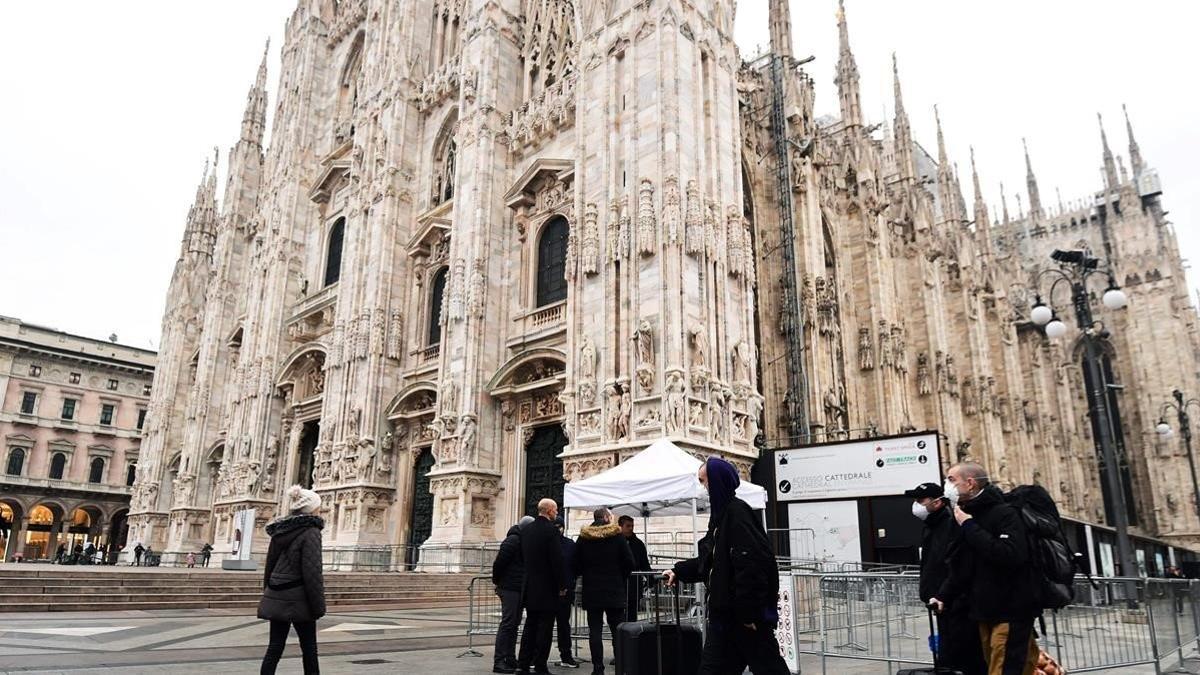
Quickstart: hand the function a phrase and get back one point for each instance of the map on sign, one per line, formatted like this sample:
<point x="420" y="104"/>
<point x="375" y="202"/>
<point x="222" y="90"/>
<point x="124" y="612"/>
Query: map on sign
<point x="834" y="527"/>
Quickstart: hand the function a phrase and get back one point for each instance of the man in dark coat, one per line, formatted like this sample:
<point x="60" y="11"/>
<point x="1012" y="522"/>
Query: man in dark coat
<point x="562" y="616"/>
<point x="545" y="583"/>
<point x="742" y="581"/>
<point x="137" y="554"/>
<point x="641" y="563"/>
<point x="508" y="575"/>
<point x="991" y="572"/>
<point x="604" y="561"/>
<point x="205" y="554"/>
<point x="958" y="644"/>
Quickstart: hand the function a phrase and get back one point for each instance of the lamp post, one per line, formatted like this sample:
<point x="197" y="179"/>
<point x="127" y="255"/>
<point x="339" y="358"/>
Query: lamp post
<point x="1180" y="407"/>
<point x="1075" y="269"/>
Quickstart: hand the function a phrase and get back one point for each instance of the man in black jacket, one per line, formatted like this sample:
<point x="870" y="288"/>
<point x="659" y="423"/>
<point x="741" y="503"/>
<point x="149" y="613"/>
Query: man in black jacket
<point x="991" y="572"/>
<point x="508" y="574"/>
<point x="641" y="563"/>
<point x="545" y="583"/>
<point x="742" y="581"/>
<point x="604" y="562"/>
<point x="958" y="646"/>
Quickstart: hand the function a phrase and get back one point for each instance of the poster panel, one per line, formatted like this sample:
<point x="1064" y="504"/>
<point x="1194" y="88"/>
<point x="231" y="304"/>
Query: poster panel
<point x="866" y="468"/>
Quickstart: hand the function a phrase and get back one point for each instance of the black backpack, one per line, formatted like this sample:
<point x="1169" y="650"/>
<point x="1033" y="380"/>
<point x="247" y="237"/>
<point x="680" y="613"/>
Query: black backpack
<point x="1053" y="561"/>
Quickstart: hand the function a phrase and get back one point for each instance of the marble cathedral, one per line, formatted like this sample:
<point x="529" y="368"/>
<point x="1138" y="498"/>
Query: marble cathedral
<point x="496" y="245"/>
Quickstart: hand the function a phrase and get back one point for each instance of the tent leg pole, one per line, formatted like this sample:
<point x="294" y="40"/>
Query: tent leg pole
<point x="695" y="544"/>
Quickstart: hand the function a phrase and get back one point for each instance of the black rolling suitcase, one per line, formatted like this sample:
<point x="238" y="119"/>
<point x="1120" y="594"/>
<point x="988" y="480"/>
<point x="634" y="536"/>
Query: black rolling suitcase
<point x="934" y="648"/>
<point x="656" y="648"/>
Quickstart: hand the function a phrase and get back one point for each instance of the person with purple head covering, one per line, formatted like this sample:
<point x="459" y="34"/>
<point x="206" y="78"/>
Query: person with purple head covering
<point x="742" y="581"/>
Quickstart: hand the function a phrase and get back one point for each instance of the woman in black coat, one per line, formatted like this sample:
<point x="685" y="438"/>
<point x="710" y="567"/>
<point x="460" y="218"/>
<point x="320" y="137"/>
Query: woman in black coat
<point x="293" y="585"/>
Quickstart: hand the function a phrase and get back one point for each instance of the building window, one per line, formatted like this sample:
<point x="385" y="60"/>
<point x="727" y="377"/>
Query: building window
<point x="28" y="403"/>
<point x="333" y="255"/>
<point x="96" y="474"/>
<point x="112" y="385"/>
<point x="552" y="262"/>
<point x="73" y="378"/>
<point x="68" y="411"/>
<point x="35" y="370"/>
<point x="16" y="461"/>
<point x="58" y="465"/>
<point x="106" y="414"/>
<point x="436" y="296"/>
<point x="145" y="390"/>
<point x="141" y="418"/>
<point x="130" y="473"/>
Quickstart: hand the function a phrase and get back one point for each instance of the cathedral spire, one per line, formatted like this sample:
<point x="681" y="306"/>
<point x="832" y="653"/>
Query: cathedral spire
<point x="254" y="119"/>
<point x="1135" y="153"/>
<point x="200" y="234"/>
<point x="1110" y="165"/>
<point x="903" y="142"/>
<point x="781" y="27"/>
<point x="941" y="140"/>
<point x="847" y="74"/>
<point x="983" y="226"/>
<point x="1003" y="205"/>
<point x="1035" y="197"/>
<point x="946" y="178"/>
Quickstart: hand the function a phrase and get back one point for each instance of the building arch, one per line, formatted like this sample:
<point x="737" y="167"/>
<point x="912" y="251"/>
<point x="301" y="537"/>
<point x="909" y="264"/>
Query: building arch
<point x="58" y="465"/>
<point x="548" y="360"/>
<point x="421" y="395"/>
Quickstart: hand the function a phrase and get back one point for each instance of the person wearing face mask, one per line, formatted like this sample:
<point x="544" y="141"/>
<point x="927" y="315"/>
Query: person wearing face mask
<point x="958" y="645"/>
<point x="741" y="580"/>
<point x="991" y="572"/>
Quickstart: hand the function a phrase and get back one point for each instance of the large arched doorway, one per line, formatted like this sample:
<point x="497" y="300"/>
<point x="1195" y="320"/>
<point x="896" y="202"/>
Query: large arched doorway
<point x="421" y="523"/>
<point x="543" y="467"/>
<point x="8" y="519"/>
<point x="42" y="520"/>
<point x="310" y="433"/>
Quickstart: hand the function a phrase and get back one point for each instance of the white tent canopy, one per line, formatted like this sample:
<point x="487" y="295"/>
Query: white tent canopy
<point x="659" y="481"/>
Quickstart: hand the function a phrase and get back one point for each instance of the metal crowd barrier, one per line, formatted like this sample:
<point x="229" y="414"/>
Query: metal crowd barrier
<point x="484" y="612"/>
<point x="1113" y="625"/>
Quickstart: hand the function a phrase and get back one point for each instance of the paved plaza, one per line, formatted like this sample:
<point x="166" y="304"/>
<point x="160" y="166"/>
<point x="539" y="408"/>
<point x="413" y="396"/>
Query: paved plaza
<point x="384" y="641"/>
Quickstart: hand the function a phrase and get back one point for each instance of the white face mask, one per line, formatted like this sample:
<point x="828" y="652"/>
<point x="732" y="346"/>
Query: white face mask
<point x="920" y="511"/>
<point x="950" y="491"/>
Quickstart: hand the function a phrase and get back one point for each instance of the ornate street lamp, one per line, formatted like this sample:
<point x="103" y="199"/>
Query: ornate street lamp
<point x="1075" y="268"/>
<point x="1180" y="406"/>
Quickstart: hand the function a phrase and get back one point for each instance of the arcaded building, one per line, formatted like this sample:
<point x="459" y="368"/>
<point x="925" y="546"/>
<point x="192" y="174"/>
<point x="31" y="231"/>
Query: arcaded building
<point x="71" y="413"/>
<point x="496" y="246"/>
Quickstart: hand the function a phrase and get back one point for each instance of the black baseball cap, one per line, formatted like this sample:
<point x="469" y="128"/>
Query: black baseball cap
<point x="924" y="490"/>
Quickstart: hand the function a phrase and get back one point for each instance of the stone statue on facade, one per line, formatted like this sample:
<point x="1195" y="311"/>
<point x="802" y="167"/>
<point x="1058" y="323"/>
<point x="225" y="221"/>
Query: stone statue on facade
<point x="866" y="359"/>
<point x="836" y="418"/>
<point x="699" y="340"/>
<point x="924" y="387"/>
<point x="466" y="440"/>
<point x="741" y="362"/>
<point x="643" y="340"/>
<point x="587" y="359"/>
<point x="676" y="402"/>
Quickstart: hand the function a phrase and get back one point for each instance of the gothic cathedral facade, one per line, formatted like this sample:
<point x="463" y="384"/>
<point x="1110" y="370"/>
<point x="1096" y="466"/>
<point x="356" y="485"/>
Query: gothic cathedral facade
<point x="498" y="245"/>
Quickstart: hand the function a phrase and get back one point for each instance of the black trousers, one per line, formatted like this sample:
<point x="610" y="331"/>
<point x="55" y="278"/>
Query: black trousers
<point x="730" y="649"/>
<point x="306" y="631"/>
<point x="562" y="621"/>
<point x="596" y="619"/>
<point x="506" y="635"/>
<point x="535" y="639"/>
<point x="959" y="644"/>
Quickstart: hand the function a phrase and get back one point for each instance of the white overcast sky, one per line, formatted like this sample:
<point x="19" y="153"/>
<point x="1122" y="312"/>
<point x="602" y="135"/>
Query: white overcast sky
<point x="111" y="109"/>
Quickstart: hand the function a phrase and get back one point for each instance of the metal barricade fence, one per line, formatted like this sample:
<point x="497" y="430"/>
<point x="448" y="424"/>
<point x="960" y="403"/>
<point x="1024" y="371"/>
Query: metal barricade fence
<point x="1113" y="625"/>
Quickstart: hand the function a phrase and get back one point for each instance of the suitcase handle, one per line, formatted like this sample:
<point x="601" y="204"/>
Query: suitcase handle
<point x="657" y="580"/>
<point x="935" y="643"/>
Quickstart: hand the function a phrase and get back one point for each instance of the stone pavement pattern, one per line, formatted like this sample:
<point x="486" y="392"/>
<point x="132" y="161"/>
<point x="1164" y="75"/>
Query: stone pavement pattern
<point x="386" y="641"/>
